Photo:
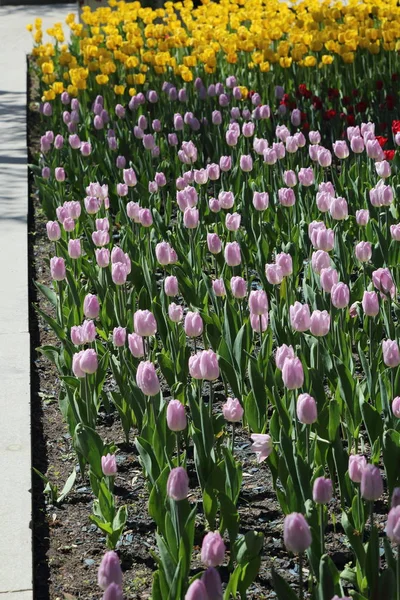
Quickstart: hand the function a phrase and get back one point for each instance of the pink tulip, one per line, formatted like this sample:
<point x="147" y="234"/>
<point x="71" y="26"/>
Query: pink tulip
<point x="260" y="200"/>
<point x="102" y="257"/>
<point x="109" y="571"/>
<point x="171" y="286"/>
<point x="306" y="409"/>
<point x="322" y="490"/>
<point x="208" y="365"/>
<point x="286" y="197"/>
<point x="258" y="302"/>
<point x="282" y="353"/>
<point x="391" y="353"/>
<point x="232" y="221"/>
<point x="226" y="199"/>
<point x="382" y="280"/>
<point x="395" y="232"/>
<point x="363" y="251"/>
<point x="300" y="316"/>
<point x="191" y="218"/>
<point x="306" y="176"/>
<point x="193" y="324"/>
<point x="370" y="304"/>
<point x="232" y="410"/>
<point x="175" y="312"/>
<point x="109" y="465"/>
<point x="219" y="287"/>
<point x="145" y="217"/>
<point x="53" y="231"/>
<point x="259" y="322"/>
<point x="371" y="483"/>
<point x="135" y="343"/>
<point x="88" y="361"/>
<point x="119" y="336"/>
<point x="328" y="278"/>
<point x="296" y="533"/>
<point x="396" y="407"/>
<point x="176" y="416"/>
<point x="57" y="268"/>
<point x="262" y="446"/>
<point x="238" y="287"/>
<point x="357" y="464"/>
<point x="178" y="484"/>
<point x="284" y="261"/>
<point x="214" y="243"/>
<point x="91" y="306"/>
<point x="320" y="260"/>
<point x="212" y="549"/>
<point x="119" y="273"/>
<point x="274" y="274"/>
<point x="146" y="378"/>
<point x="292" y="373"/>
<point x="339" y="209"/>
<point x="144" y="323"/>
<point x="340" y="295"/>
<point x="320" y="322"/>
<point x="74" y="248"/>
<point x="232" y="254"/>
<point x="362" y="217"/>
<point x="341" y="149"/>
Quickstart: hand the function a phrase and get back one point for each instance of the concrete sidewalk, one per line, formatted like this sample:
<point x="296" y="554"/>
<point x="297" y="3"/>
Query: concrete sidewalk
<point x="15" y="432"/>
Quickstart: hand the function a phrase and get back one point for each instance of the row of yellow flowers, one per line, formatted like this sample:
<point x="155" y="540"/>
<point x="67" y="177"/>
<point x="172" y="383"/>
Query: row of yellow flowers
<point x="125" y="40"/>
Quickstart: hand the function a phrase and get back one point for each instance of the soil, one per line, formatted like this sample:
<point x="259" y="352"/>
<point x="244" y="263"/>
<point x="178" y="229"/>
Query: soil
<point x="67" y="546"/>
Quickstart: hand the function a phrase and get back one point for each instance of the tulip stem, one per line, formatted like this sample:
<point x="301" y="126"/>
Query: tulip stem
<point x="60" y="299"/>
<point x="322" y="528"/>
<point x="211" y="400"/>
<point x="233" y="438"/>
<point x="301" y="575"/>
<point x="178" y="449"/>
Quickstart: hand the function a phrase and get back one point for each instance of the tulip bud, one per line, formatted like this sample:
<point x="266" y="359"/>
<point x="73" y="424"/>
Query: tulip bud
<point x="395" y="500"/>
<point x="371" y="483"/>
<point x="109" y="465"/>
<point x="91" y="306"/>
<point x="282" y="353"/>
<point x="53" y="231"/>
<point x="197" y="591"/>
<point x="175" y="312"/>
<point x="119" y="336"/>
<point x="262" y="445"/>
<point x="391" y="353"/>
<point x="135" y="343"/>
<point x="193" y="324"/>
<point x="212" y="549"/>
<point x="306" y="409"/>
<point x="363" y="251"/>
<point x="300" y="318"/>
<point x="296" y="533"/>
<point x="171" y="286"/>
<point x="214" y="243"/>
<point x="357" y="464"/>
<point x="176" y="416"/>
<point x="109" y="571"/>
<point x="258" y="302"/>
<point x="322" y="490"/>
<point x="57" y="268"/>
<point x="370" y="304"/>
<point x="238" y="287"/>
<point x="292" y="373"/>
<point x="74" y="248"/>
<point x="146" y="379"/>
<point x="178" y="484"/>
<point x="213" y="584"/>
<point x="144" y="323"/>
<point x="232" y="410"/>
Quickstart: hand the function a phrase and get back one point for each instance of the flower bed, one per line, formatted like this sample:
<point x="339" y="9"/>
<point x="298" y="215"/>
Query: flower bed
<point x="221" y="299"/>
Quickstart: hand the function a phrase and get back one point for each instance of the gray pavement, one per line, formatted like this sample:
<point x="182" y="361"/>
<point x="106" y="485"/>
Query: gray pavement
<point x="15" y="433"/>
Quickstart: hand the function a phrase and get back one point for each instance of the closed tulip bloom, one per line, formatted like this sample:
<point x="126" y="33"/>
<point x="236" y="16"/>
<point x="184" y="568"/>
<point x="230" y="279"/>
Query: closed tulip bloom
<point x="225" y="163"/>
<point x="320" y="260"/>
<point x="395" y="500"/>
<point x="260" y="200"/>
<point x="171" y="286"/>
<point x="314" y="137"/>
<point x="262" y="446"/>
<point x="324" y="201"/>
<point x="69" y="224"/>
<point x="248" y="129"/>
<point x="53" y="231"/>
<point x="259" y="322"/>
<point x="214" y="205"/>
<point x="324" y="239"/>
<point x="76" y="335"/>
<point x="286" y="197"/>
<point x="88" y="361"/>
<point x="119" y="336"/>
<point x="270" y="156"/>
<point x="292" y="373"/>
<point x="213" y="172"/>
<point x="147" y="379"/>
<point x="197" y="591"/>
<point x="102" y="257"/>
<point x="320" y="322"/>
<point x="59" y="174"/>
<point x="208" y="365"/>
<point x="232" y="221"/>
<point x="339" y="209"/>
<point x="176" y="416"/>
<point x="395" y="232"/>
<point x="357" y="464"/>
<point x="382" y="280"/>
<point x="306" y="409"/>
<point x="88" y="332"/>
<point x="163" y="253"/>
<point x="324" y="157"/>
<point x="119" y="273"/>
<point x="219" y="287"/>
<point x="76" y="365"/>
<point x="232" y="410"/>
<point x="212" y="549"/>
<point x="246" y="163"/>
<point x="193" y="324"/>
<point x="291" y="144"/>
<point x="178" y="484"/>
<point x="213" y="584"/>
<point x="144" y="323"/>
<point x="391" y="353"/>
<point x="113" y="592"/>
<point x="74" y="248"/>
<point x="282" y="353"/>
<point x="214" y="243"/>
<point x="194" y="366"/>
<point x="232" y="254"/>
<point x="322" y="490"/>
<point x="135" y="343"/>
<point x="100" y="238"/>
<point x="109" y="571"/>
<point x="295" y="117"/>
<point x="363" y="251"/>
<point x="340" y="295"/>
<point x="328" y="278"/>
<point x="145" y="217"/>
<point x="371" y="483"/>
<point x="91" y="306"/>
<point x="57" y="268"/>
<point x="306" y="176"/>
<point x="274" y="274"/>
<point x="191" y="218"/>
<point x="300" y="318"/>
<point x="374" y="150"/>
<point x="370" y="304"/>
<point x="357" y="144"/>
<point x="396" y="407"/>
<point x="393" y="525"/>
<point x="289" y="178"/>
<point x="175" y="312"/>
<point x="313" y="152"/>
<point x="226" y="199"/>
<point x="238" y="287"/>
<point x="122" y="189"/>
<point x="258" y="302"/>
<point x="109" y="465"/>
<point x="296" y="533"/>
<point x="383" y="169"/>
<point x="341" y="149"/>
<point x="200" y="176"/>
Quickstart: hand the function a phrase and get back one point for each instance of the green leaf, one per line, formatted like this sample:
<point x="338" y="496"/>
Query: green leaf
<point x="67" y="487"/>
<point x="282" y="589"/>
